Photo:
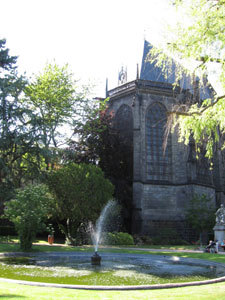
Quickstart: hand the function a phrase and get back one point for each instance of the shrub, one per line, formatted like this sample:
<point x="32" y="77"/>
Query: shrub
<point x="142" y="240"/>
<point x="200" y="214"/>
<point x="28" y="211"/>
<point x="168" y="236"/>
<point x="80" y="192"/>
<point x="6" y="230"/>
<point x="119" y="238"/>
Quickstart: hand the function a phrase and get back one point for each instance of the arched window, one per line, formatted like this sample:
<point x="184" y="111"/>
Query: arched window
<point x="159" y="163"/>
<point x="124" y="123"/>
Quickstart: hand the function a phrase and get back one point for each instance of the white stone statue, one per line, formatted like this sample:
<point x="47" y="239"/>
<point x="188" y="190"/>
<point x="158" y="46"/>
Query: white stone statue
<point x="122" y="76"/>
<point x="220" y="215"/>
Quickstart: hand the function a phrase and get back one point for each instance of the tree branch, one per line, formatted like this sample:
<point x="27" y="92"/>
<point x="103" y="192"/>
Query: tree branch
<point x="205" y="59"/>
<point x="187" y="114"/>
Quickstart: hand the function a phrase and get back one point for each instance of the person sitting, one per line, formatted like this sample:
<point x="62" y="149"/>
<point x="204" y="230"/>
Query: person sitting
<point x="217" y="246"/>
<point x="211" y="247"/>
<point x="223" y="244"/>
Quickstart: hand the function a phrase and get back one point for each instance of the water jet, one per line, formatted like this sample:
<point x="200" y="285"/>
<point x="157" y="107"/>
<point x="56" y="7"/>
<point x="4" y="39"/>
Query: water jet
<point x="96" y="232"/>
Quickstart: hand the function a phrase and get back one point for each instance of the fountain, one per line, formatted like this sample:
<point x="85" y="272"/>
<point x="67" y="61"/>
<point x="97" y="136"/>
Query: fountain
<point x="97" y="231"/>
<point x="96" y="259"/>
<point x="117" y="271"/>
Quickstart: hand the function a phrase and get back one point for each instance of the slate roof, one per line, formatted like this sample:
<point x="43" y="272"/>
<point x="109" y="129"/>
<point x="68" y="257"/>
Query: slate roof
<point x="149" y="71"/>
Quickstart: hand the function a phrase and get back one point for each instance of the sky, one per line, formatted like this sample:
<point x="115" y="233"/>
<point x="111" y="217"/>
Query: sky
<point x="95" y="37"/>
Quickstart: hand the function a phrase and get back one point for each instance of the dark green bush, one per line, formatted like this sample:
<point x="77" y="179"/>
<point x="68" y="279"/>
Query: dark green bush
<point x="119" y="238"/>
<point x="6" y="230"/>
<point x="168" y="236"/>
<point x="28" y="211"/>
<point x="142" y="240"/>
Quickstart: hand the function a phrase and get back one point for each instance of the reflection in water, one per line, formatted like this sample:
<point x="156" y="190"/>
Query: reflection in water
<point x="116" y="269"/>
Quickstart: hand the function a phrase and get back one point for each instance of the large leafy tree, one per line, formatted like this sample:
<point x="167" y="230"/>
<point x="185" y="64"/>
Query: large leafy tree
<point x="51" y="95"/>
<point x="200" y="42"/>
<point x="80" y="192"/>
<point x="31" y="119"/>
<point x="15" y="138"/>
<point x="58" y="103"/>
<point x="100" y="143"/>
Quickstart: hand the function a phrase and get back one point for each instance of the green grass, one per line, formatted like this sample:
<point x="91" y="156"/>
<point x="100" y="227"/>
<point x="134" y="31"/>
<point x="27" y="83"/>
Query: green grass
<point x="206" y="292"/>
<point x="174" y="247"/>
<point x="19" y="292"/>
<point x="44" y="247"/>
<point x="39" y="247"/>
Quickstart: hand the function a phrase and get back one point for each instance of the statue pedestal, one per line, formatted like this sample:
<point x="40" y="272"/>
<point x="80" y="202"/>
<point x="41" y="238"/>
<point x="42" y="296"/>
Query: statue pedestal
<point x="219" y="232"/>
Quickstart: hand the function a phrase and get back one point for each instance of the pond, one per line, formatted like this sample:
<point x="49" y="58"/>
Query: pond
<point x="116" y="269"/>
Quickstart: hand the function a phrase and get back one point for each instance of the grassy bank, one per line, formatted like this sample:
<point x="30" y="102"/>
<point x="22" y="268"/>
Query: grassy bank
<point x="206" y="292"/>
<point x="18" y="292"/>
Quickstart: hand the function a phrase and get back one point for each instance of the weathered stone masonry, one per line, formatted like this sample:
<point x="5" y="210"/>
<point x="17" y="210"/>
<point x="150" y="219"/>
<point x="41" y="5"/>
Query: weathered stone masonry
<point x="159" y="200"/>
<point x="163" y="183"/>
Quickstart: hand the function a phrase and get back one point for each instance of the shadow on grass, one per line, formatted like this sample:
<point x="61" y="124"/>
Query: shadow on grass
<point x="8" y="296"/>
<point x="9" y="247"/>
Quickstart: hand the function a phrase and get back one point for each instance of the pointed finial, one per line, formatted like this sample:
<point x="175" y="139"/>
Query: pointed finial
<point x="106" y="88"/>
<point x="137" y="77"/>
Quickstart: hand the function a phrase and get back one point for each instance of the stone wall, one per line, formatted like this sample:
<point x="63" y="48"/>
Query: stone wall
<point x="159" y="204"/>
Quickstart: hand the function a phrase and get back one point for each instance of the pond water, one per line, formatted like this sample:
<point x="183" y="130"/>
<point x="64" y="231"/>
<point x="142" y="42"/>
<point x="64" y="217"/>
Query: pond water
<point x="116" y="269"/>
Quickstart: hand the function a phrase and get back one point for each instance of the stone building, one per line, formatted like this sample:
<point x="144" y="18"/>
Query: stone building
<point x="163" y="181"/>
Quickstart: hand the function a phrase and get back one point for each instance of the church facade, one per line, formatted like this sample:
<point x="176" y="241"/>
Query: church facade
<point x="164" y="180"/>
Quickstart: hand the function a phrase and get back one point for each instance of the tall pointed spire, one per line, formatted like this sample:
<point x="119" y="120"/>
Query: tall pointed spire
<point x="106" y="88"/>
<point x="137" y="77"/>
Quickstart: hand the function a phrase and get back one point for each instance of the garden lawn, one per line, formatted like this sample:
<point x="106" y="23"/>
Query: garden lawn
<point x="206" y="292"/>
<point x="19" y="292"/>
<point x="14" y="247"/>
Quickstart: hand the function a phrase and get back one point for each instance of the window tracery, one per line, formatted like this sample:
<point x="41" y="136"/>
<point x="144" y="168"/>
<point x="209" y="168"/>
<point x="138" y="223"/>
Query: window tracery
<point x="159" y="163"/>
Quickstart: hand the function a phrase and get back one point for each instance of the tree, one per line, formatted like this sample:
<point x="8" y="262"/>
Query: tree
<point x="200" y="214"/>
<point x="15" y="139"/>
<point x="199" y="42"/>
<point x="80" y="192"/>
<point x="100" y="143"/>
<point x="28" y="211"/>
<point x="21" y="155"/>
<point x="7" y="62"/>
<point x="89" y="134"/>
<point x="52" y="96"/>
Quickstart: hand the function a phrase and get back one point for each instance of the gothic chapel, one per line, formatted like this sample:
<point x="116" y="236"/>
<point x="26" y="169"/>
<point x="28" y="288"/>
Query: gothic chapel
<point x="163" y="181"/>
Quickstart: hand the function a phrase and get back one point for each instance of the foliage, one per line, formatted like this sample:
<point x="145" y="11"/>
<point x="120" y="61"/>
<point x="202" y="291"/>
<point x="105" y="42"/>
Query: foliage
<point x="15" y="138"/>
<point x="80" y="192"/>
<point x="28" y="211"/>
<point x="50" y="229"/>
<point x="31" y="116"/>
<point x="168" y="236"/>
<point x="142" y="240"/>
<point x="119" y="238"/>
<point x="7" y="230"/>
<point x="201" y="214"/>
<point x="51" y="95"/>
<point x="199" y="43"/>
<point x="100" y="143"/>
<point x="88" y="137"/>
